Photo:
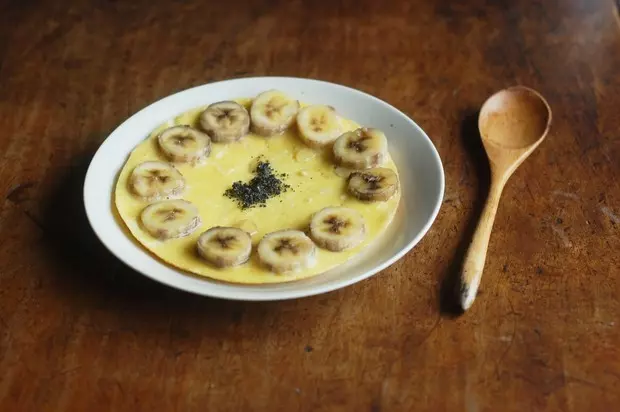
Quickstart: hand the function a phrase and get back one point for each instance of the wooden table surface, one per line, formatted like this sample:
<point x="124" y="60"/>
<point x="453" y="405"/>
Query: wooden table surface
<point x="81" y="332"/>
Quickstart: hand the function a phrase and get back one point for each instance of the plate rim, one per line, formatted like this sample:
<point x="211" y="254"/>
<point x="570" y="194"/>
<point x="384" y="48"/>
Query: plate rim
<point x="285" y="295"/>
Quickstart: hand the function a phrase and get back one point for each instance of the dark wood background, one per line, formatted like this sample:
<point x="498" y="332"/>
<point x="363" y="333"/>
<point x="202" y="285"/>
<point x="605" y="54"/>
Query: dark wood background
<point x="81" y="332"/>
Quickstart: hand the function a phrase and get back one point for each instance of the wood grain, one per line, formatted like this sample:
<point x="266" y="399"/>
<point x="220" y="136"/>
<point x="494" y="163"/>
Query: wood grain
<point x="79" y="331"/>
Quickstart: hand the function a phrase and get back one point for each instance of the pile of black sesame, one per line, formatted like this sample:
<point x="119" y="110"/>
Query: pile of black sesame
<point x="265" y="185"/>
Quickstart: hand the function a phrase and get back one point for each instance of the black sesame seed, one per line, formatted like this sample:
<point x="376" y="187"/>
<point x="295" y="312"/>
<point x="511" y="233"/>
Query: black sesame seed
<point x="263" y="186"/>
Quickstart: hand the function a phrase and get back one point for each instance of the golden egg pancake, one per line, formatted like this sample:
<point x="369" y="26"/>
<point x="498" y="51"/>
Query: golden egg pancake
<point x="315" y="182"/>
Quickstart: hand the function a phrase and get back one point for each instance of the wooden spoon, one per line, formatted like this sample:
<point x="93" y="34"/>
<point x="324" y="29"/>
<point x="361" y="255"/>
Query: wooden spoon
<point x="512" y="123"/>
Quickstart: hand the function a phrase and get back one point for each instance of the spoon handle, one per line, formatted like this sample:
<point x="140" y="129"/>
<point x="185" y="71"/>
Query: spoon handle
<point x="477" y="252"/>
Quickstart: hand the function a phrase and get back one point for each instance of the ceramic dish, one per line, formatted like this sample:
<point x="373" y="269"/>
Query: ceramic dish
<point x="419" y="165"/>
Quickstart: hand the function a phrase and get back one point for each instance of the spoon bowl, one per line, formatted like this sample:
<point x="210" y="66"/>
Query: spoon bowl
<point x="514" y="118"/>
<point x="512" y="123"/>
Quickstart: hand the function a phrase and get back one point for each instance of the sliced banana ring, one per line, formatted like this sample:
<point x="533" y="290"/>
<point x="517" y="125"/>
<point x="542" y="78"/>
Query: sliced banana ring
<point x="318" y="125"/>
<point x="184" y="144"/>
<point x="361" y="149"/>
<point x="337" y="228"/>
<point x="170" y="219"/>
<point x="379" y="183"/>
<point x="225" y="246"/>
<point x="272" y="112"/>
<point x="156" y="180"/>
<point x="286" y="251"/>
<point x="225" y="121"/>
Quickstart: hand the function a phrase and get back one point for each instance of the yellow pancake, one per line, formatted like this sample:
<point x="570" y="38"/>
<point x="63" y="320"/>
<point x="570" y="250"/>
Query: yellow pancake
<point x="315" y="181"/>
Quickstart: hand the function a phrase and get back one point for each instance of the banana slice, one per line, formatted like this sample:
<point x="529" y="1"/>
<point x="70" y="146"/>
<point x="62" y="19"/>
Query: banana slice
<point x="337" y="228"/>
<point x="272" y="112"/>
<point x="170" y="219"/>
<point x="184" y="144"/>
<point x="156" y="180"/>
<point x="225" y="246"/>
<point x="318" y="125"/>
<point x="286" y="251"/>
<point x="379" y="183"/>
<point x="361" y="149"/>
<point x="225" y="121"/>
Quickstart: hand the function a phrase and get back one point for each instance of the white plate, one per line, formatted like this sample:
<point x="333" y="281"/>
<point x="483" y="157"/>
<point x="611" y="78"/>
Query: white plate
<point x="419" y="165"/>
